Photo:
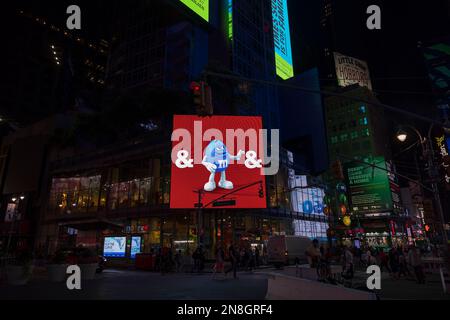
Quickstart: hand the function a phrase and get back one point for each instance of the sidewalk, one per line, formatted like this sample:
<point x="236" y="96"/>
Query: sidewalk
<point x="408" y="289"/>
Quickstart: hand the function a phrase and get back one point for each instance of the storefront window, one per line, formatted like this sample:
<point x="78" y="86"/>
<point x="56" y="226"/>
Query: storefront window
<point x="113" y="196"/>
<point x="144" y="191"/>
<point x="134" y="193"/>
<point x="75" y="194"/>
<point x="123" y="196"/>
<point x="184" y="239"/>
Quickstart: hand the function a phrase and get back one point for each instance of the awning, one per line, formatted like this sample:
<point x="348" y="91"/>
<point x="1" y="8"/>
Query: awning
<point x="92" y="224"/>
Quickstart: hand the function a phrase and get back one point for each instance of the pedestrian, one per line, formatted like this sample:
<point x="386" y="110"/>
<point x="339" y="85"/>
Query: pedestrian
<point x="158" y="260"/>
<point x="242" y="261"/>
<point x="384" y="260"/>
<point x="196" y="257"/>
<point x="178" y="262"/>
<point x="233" y="256"/>
<point x="313" y="253"/>
<point x="415" y="260"/>
<point x="394" y="263"/>
<point x="348" y="267"/>
<point x="220" y="260"/>
<point x="370" y="259"/>
<point x="265" y="255"/>
<point x="202" y="259"/>
<point x="257" y="257"/>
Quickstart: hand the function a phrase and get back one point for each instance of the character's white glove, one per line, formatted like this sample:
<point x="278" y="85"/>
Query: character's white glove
<point x="240" y="154"/>
<point x="210" y="167"/>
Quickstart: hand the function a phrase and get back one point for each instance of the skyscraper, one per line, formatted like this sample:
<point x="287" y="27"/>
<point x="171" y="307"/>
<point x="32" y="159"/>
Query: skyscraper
<point x="252" y="55"/>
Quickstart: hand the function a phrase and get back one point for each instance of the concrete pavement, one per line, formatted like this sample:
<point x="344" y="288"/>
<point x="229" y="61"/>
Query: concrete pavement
<point x="136" y="285"/>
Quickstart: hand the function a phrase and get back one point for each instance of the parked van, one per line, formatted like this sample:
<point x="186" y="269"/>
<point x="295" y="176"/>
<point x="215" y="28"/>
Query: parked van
<point x="285" y="250"/>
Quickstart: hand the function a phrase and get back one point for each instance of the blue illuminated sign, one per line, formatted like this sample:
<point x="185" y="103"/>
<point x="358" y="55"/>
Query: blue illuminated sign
<point x="135" y="246"/>
<point x="114" y="247"/>
<point x="282" y="39"/>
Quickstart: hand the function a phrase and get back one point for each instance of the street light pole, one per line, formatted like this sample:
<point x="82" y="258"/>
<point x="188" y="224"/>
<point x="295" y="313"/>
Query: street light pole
<point x="428" y="152"/>
<point x="437" y="197"/>
<point x="13" y="220"/>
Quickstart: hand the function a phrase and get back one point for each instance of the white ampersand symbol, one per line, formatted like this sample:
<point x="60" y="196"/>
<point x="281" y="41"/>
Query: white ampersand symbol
<point x="183" y="162"/>
<point x="252" y="162"/>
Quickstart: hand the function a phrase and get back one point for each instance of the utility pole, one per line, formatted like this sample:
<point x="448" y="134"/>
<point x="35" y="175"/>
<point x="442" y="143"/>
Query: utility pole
<point x="200" y="206"/>
<point x="432" y="172"/>
<point x="199" y="219"/>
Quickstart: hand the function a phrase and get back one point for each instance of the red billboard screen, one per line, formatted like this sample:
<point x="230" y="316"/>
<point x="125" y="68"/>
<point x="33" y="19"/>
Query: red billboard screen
<point x="217" y="163"/>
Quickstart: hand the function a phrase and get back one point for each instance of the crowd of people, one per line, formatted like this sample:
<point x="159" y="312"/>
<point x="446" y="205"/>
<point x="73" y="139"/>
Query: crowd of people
<point x="230" y="260"/>
<point x="399" y="261"/>
<point x="244" y="259"/>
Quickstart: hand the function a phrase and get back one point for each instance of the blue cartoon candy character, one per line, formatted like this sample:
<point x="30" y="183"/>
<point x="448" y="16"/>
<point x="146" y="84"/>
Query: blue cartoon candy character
<point x="216" y="160"/>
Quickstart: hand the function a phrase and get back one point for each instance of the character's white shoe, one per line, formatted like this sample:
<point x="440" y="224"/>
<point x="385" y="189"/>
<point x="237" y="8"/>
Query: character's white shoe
<point x="210" y="186"/>
<point x="226" y="185"/>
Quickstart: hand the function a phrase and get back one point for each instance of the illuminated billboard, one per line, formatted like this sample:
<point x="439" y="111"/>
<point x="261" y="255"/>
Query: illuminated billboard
<point x="443" y="153"/>
<point x="282" y="39"/>
<point x="437" y="57"/>
<point x="304" y="199"/>
<point x="135" y="246"/>
<point x="114" y="247"/>
<point x="200" y="7"/>
<point x="350" y="71"/>
<point x="217" y="163"/>
<point x="370" y="188"/>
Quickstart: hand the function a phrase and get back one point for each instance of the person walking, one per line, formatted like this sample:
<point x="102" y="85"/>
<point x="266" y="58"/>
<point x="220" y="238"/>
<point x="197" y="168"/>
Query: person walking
<point x="348" y="263"/>
<point x="415" y="260"/>
<point x="233" y="256"/>
<point x="178" y="262"/>
<point x="393" y="262"/>
<point x="257" y="257"/>
<point x="384" y="260"/>
<point x="196" y="257"/>
<point x="313" y="253"/>
<point x="220" y="260"/>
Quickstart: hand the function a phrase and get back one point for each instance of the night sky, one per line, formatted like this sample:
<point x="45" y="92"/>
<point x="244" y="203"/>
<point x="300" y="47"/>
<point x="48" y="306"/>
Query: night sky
<point x="395" y="61"/>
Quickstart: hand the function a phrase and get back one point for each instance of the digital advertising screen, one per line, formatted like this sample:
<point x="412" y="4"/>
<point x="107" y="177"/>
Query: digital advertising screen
<point x="304" y="199"/>
<point x="135" y="246"/>
<point x="282" y="39"/>
<point x="370" y="189"/>
<point x="200" y="7"/>
<point x="217" y="162"/>
<point x="114" y="247"/>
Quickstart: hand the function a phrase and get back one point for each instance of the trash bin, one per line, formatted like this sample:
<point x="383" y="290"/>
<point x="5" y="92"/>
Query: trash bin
<point x="145" y="261"/>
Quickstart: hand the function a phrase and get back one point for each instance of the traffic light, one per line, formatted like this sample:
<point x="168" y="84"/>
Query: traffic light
<point x="202" y="95"/>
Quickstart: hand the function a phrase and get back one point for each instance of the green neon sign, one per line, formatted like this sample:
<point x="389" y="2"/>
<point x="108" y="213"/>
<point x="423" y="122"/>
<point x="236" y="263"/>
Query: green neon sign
<point x="200" y="7"/>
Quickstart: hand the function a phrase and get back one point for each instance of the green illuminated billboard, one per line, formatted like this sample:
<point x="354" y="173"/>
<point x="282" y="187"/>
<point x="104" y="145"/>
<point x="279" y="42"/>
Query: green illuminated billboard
<point x="200" y="7"/>
<point x="369" y="187"/>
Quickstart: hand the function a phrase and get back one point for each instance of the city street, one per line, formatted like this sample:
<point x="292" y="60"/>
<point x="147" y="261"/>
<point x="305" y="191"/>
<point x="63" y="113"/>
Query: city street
<point x="136" y="285"/>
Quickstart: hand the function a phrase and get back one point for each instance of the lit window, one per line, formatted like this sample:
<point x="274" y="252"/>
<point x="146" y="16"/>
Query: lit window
<point x="366" y="133"/>
<point x="363" y="121"/>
